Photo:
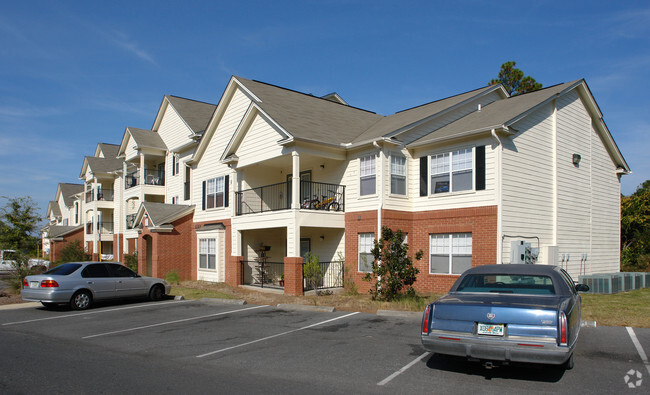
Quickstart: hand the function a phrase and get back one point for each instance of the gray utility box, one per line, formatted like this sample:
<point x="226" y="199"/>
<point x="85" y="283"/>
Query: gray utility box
<point x="522" y="252"/>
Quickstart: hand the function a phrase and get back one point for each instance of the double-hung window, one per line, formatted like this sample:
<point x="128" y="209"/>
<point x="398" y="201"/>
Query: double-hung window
<point x="175" y="164"/>
<point x="207" y="254"/>
<point x="366" y="244"/>
<point x="452" y="171"/>
<point x="397" y="175"/>
<point x="214" y="192"/>
<point x="450" y="253"/>
<point x="368" y="176"/>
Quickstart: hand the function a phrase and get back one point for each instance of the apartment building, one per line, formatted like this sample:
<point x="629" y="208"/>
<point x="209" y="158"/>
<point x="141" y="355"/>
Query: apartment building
<point x="241" y="191"/>
<point x="64" y="215"/>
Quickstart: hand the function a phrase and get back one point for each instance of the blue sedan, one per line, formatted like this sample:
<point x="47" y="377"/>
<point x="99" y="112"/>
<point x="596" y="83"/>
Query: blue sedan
<point x="507" y="313"/>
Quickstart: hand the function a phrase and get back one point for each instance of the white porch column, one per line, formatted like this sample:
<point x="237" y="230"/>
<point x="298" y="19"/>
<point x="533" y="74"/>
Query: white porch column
<point x="295" y="182"/>
<point x="235" y="237"/>
<point x="141" y="177"/>
<point x="95" y="217"/>
<point x="293" y="239"/>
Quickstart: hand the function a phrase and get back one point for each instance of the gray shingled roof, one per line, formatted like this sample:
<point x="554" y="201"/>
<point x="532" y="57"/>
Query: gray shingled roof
<point x="162" y="213"/>
<point x="110" y="150"/>
<point x="68" y="191"/>
<point x="311" y="118"/>
<point x="404" y="118"/>
<point x="195" y="113"/>
<point x="494" y="115"/>
<point x="58" y="231"/>
<point x="104" y="165"/>
<point x="147" y="138"/>
<point x="54" y="208"/>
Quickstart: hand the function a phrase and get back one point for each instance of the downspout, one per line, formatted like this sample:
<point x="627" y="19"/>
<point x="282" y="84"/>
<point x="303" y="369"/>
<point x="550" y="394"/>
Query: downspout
<point x="499" y="198"/>
<point x="380" y="186"/>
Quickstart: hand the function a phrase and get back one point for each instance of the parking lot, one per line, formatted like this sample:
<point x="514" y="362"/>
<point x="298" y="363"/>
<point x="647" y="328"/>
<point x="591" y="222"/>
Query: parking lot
<point x="185" y="346"/>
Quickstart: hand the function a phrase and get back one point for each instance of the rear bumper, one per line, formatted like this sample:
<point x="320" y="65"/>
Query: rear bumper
<point x="511" y="350"/>
<point x="46" y="295"/>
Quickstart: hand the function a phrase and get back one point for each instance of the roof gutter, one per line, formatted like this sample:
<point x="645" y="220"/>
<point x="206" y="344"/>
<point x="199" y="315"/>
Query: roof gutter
<point x="499" y="197"/>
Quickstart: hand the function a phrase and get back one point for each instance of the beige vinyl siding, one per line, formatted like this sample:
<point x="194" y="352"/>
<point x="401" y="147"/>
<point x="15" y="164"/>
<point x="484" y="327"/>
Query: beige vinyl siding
<point x="210" y="165"/>
<point x="129" y="151"/>
<point x="399" y="202"/>
<point x="353" y="201"/>
<point x="220" y="263"/>
<point x="173" y="130"/>
<point x="527" y="178"/>
<point x="453" y="200"/>
<point x="447" y="118"/>
<point x="259" y="143"/>
<point x="606" y="200"/>
<point x="573" y="183"/>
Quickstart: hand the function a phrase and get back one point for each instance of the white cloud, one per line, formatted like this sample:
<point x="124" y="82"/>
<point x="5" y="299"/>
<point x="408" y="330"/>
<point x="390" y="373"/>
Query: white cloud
<point x="123" y="41"/>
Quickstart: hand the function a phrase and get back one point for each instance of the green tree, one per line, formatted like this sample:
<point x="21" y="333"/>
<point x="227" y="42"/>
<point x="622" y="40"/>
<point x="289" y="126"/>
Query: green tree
<point x="312" y="271"/>
<point x="514" y="81"/>
<point x="635" y="230"/>
<point x="18" y="224"/>
<point x="73" y="252"/>
<point x="392" y="270"/>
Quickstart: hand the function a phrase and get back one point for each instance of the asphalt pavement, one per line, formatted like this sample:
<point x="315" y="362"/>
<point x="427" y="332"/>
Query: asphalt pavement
<point x="174" y="346"/>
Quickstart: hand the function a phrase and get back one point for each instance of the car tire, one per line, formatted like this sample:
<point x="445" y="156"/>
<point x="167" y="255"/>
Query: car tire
<point x="49" y="305"/>
<point x="568" y="365"/>
<point x="157" y="292"/>
<point x="81" y="300"/>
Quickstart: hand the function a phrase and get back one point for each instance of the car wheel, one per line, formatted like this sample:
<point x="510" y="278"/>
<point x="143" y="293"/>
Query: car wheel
<point x="568" y="365"/>
<point x="49" y="305"/>
<point x="157" y="292"/>
<point x="81" y="300"/>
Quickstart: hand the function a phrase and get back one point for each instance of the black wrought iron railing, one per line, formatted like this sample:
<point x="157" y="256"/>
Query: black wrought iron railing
<point x="104" y="227"/>
<point x="267" y="274"/>
<point x="313" y="195"/>
<point x="89" y="228"/>
<point x="331" y="275"/>
<point x="105" y="195"/>
<point x="154" y="177"/>
<point x="131" y="179"/>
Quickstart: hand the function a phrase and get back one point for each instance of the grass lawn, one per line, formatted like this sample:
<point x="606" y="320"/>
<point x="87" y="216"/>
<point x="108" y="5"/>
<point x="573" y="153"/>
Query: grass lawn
<point x="622" y="309"/>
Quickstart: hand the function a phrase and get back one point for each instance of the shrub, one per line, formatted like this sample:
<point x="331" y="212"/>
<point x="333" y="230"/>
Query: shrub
<point x="172" y="277"/>
<point x="312" y="272"/>
<point x="131" y="261"/>
<point x="72" y="252"/>
<point x="392" y="269"/>
<point x="20" y="270"/>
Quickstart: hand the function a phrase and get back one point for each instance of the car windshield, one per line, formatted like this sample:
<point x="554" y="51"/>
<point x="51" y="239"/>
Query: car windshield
<point x="508" y="283"/>
<point x="63" y="270"/>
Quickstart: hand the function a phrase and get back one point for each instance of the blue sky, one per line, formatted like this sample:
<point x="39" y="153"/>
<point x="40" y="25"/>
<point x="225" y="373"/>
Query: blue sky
<point x="75" y="73"/>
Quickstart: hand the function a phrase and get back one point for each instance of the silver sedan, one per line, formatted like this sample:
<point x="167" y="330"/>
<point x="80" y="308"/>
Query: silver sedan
<point x="79" y="284"/>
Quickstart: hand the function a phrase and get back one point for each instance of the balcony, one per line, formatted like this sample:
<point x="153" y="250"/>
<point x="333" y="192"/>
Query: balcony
<point x="151" y="177"/>
<point x="275" y="197"/>
<point x="130" y="219"/>
<point x="99" y="195"/>
<point x="105" y="228"/>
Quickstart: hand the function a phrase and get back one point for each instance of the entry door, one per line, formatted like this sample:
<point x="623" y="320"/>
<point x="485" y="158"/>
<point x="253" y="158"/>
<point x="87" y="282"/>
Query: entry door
<point x="305" y="247"/>
<point x="304" y="190"/>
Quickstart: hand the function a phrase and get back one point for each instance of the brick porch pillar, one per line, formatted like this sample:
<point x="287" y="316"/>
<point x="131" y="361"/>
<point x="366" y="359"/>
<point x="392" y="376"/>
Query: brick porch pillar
<point x="292" y="276"/>
<point x="234" y="270"/>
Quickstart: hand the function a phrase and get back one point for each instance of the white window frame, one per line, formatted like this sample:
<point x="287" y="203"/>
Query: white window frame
<point x="215" y="186"/>
<point x="452" y="165"/>
<point x="367" y="171"/>
<point x="175" y="164"/>
<point x="395" y="170"/>
<point x="366" y="244"/>
<point x="450" y="244"/>
<point x="207" y="247"/>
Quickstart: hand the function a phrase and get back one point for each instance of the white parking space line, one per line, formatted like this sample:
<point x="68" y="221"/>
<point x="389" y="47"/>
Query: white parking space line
<point x="639" y="349"/>
<point x="402" y="370"/>
<point x="277" y="335"/>
<point x="91" y="312"/>
<point x="172" y="322"/>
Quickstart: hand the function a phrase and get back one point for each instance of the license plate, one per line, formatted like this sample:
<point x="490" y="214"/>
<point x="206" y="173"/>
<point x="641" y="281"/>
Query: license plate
<point x="33" y="284"/>
<point x="490" y="329"/>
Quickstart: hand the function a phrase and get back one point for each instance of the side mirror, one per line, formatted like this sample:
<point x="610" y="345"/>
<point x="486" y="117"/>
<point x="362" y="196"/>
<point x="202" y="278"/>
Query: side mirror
<point x="582" y="287"/>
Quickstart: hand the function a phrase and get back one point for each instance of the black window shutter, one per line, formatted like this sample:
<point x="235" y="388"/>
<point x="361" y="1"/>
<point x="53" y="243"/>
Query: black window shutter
<point x="424" y="176"/>
<point x="226" y="194"/>
<point x="203" y="195"/>
<point x="480" y="168"/>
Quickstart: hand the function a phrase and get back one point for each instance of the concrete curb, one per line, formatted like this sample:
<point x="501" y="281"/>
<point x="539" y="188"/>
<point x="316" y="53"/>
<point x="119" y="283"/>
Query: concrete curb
<point x="401" y="314"/>
<point x="306" y="307"/>
<point x="223" y="301"/>
<point x="179" y="297"/>
<point x="16" y="306"/>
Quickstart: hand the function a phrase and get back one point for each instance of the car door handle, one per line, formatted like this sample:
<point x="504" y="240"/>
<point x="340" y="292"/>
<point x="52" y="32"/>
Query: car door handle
<point x="119" y="281"/>
<point x="90" y="282"/>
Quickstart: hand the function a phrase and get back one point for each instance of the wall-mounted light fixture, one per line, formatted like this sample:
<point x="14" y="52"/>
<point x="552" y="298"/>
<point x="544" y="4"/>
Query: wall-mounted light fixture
<point x="576" y="159"/>
<point x="322" y="238"/>
<point x="322" y="166"/>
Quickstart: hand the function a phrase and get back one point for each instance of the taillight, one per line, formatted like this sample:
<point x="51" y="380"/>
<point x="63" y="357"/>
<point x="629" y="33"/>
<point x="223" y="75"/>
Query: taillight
<point x="49" y="284"/>
<point x="563" y="329"/>
<point x="25" y="283"/>
<point x="425" y="320"/>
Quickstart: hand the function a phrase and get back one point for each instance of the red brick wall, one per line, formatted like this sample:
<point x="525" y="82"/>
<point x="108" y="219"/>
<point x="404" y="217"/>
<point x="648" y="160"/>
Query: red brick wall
<point x="480" y="221"/>
<point x="57" y="246"/>
<point x="118" y="247"/>
<point x="293" y="276"/>
<point x="170" y="250"/>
